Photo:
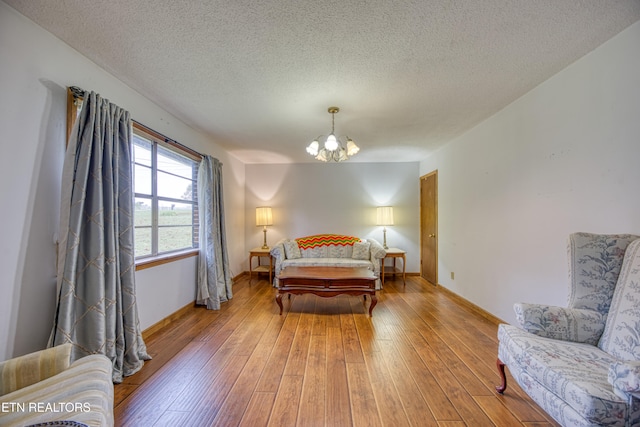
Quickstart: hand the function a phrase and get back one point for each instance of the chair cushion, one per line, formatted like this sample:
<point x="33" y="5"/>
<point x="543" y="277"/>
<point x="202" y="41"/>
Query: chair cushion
<point x="361" y="250"/>
<point x="621" y="336"/>
<point x="326" y="262"/>
<point x="561" y="323"/>
<point x="32" y="368"/>
<point x="291" y="249"/>
<point x="594" y="266"/>
<point x="576" y="373"/>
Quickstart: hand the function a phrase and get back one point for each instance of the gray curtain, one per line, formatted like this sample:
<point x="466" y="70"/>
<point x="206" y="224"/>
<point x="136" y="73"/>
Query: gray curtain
<point x="97" y="309"/>
<point x="214" y="277"/>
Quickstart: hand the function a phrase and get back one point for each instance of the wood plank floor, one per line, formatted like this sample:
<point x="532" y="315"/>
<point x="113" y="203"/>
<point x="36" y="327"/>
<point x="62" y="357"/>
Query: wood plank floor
<point x="421" y="360"/>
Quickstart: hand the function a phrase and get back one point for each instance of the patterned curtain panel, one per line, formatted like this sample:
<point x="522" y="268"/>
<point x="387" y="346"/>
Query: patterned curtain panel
<point x="97" y="309"/>
<point x="214" y="277"/>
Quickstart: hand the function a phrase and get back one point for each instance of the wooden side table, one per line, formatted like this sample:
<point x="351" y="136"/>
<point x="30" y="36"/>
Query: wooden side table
<point x="259" y="253"/>
<point x="395" y="253"/>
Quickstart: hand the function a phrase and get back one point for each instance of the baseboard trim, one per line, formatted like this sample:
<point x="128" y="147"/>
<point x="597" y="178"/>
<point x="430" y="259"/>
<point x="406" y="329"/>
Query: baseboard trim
<point x="398" y="272"/>
<point x="164" y="322"/>
<point x="176" y="315"/>
<point x="471" y="306"/>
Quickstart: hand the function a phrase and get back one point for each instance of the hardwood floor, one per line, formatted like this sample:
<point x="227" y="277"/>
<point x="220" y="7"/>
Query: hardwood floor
<point x="422" y="359"/>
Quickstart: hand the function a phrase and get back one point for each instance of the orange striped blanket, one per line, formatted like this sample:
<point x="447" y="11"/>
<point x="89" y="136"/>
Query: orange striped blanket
<point x="326" y="240"/>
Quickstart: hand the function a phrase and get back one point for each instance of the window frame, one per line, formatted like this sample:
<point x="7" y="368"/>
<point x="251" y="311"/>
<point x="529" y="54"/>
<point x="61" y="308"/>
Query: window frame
<point x="160" y="141"/>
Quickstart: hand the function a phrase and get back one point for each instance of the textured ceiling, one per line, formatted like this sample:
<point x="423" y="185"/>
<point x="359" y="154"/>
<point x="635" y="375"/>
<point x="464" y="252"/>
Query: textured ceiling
<point x="258" y="75"/>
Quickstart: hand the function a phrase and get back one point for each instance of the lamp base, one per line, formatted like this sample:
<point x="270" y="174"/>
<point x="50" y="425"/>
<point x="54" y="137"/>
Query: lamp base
<point x="384" y="233"/>
<point x="264" y="244"/>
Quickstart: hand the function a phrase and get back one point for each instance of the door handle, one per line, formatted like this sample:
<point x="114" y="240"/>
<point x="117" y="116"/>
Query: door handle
<point x="432" y="235"/>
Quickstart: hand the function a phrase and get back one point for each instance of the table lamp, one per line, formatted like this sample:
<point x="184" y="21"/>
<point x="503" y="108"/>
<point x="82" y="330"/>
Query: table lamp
<point x="264" y="217"/>
<point x="384" y="217"/>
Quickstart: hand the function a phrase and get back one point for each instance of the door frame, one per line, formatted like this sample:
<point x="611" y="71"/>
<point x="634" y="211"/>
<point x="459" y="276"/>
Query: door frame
<point x="425" y="176"/>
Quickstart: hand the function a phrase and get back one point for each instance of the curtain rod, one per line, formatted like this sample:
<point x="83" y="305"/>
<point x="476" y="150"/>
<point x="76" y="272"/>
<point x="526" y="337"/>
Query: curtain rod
<point x="167" y="140"/>
<point x="78" y="93"/>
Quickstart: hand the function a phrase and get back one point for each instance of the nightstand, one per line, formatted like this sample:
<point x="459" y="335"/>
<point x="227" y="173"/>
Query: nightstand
<point x="259" y="253"/>
<point x="394" y="253"/>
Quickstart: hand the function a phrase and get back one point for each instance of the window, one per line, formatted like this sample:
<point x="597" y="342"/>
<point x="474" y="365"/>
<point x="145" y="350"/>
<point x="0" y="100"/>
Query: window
<point x="165" y="183"/>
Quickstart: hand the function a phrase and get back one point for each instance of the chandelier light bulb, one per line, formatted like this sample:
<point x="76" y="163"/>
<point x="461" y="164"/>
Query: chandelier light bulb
<point x="352" y="148"/>
<point x="332" y="143"/>
<point x="313" y="148"/>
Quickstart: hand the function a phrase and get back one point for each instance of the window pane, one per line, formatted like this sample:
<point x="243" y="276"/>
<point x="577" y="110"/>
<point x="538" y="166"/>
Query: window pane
<point x="174" y="187"/>
<point x="141" y="150"/>
<point x="164" y="186"/>
<point x="142" y="213"/>
<point x="174" y="238"/>
<point x="171" y="213"/>
<point x="142" y="180"/>
<point x="174" y="163"/>
<point x="142" y="241"/>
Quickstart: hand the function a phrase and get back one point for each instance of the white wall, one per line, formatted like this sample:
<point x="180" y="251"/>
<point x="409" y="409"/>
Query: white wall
<point x="36" y="69"/>
<point x="315" y="198"/>
<point x="562" y="158"/>
<point x="176" y="281"/>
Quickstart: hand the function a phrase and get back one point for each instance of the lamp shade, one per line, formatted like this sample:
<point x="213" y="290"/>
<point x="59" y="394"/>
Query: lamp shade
<point x="352" y="148"/>
<point x="313" y="148"/>
<point x="384" y="215"/>
<point x="264" y="216"/>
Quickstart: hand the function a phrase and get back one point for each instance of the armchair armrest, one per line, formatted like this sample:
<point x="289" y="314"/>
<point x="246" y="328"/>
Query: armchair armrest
<point x="277" y="252"/>
<point x="376" y="250"/>
<point x="377" y="253"/>
<point x="31" y="368"/>
<point x="561" y="323"/>
<point x="625" y="379"/>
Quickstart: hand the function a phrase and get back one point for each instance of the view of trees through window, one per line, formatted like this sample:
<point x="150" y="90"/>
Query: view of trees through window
<point x="165" y="198"/>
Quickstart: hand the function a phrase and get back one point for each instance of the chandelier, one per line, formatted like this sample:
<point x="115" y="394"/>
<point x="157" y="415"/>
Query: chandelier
<point x="333" y="149"/>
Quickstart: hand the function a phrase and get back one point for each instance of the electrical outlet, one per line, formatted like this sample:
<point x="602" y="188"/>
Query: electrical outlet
<point x="453" y="275"/>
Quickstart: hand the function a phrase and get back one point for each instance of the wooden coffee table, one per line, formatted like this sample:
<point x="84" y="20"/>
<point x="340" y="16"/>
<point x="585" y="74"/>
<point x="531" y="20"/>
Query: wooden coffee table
<point x="327" y="282"/>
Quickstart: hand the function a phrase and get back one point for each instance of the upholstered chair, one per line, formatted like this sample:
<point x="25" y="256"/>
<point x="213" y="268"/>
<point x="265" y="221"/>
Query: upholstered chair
<point x="581" y="363"/>
<point x="45" y="389"/>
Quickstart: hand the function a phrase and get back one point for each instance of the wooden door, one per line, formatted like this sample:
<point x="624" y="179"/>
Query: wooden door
<point x="429" y="227"/>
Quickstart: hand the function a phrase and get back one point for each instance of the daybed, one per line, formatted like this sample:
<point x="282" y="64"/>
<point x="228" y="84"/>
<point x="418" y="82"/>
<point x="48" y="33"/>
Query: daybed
<point x="328" y="250"/>
<point x="43" y="387"/>
<point x="581" y="364"/>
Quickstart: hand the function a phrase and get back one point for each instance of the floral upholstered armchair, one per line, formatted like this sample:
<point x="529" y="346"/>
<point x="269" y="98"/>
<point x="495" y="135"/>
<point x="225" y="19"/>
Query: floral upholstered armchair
<point x="581" y="363"/>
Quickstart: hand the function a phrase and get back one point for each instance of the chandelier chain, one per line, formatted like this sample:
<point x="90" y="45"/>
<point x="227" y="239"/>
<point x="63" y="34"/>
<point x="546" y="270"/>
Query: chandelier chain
<point x="333" y="123"/>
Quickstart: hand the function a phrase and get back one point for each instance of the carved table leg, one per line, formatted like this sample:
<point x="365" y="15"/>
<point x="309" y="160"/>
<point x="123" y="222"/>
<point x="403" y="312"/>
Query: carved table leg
<point x="502" y="387"/>
<point x="279" y="301"/>
<point x="374" y="301"/>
